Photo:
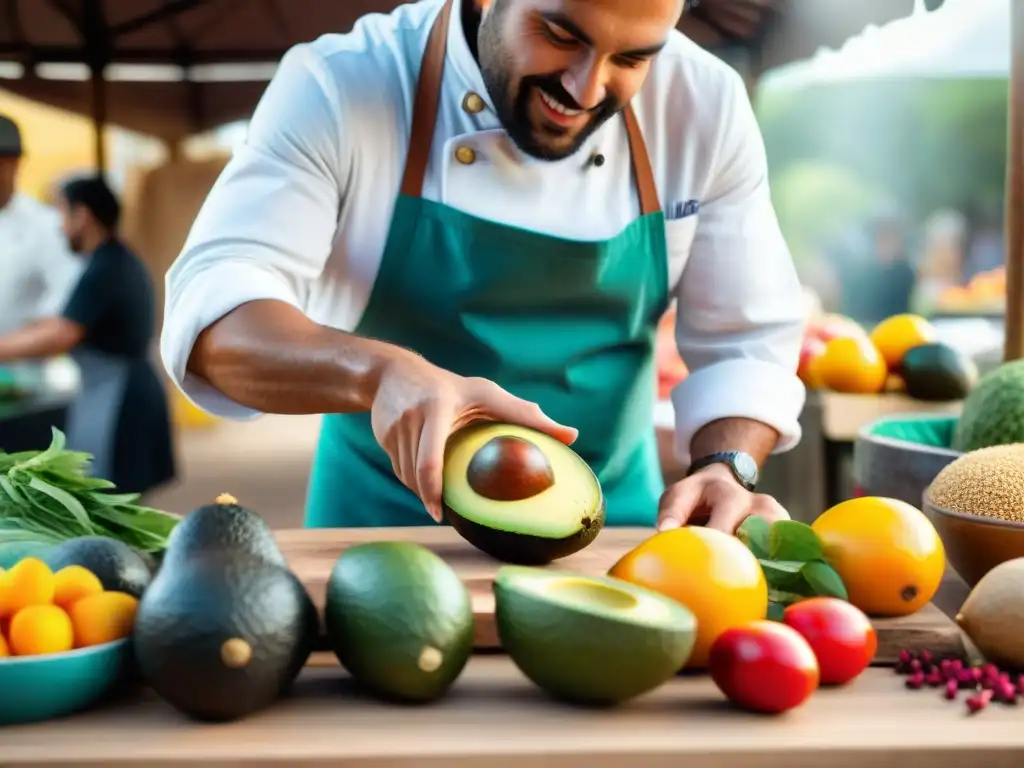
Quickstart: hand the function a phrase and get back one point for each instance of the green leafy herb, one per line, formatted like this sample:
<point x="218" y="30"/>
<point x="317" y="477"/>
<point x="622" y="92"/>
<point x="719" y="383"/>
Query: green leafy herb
<point x="792" y="558"/>
<point x="48" y="496"/>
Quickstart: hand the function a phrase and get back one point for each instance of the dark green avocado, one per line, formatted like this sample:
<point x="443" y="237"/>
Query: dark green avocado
<point x="224" y="525"/>
<point x="519" y="495"/>
<point x="220" y="636"/>
<point x="937" y="372"/>
<point x="399" y="619"/>
<point x="118" y="567"/>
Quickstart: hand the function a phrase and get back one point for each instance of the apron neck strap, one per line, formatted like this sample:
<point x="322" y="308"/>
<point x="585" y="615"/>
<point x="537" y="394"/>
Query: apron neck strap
<point x="424" y="118"/>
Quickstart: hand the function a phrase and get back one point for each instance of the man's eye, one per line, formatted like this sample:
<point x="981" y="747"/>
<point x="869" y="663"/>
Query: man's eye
<point x="558" y="36"/>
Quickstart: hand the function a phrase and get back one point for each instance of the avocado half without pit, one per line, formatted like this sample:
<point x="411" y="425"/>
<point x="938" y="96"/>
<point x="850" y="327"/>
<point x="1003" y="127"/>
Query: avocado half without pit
<point x="590" y="640"/>
<point x="519" y="495"/>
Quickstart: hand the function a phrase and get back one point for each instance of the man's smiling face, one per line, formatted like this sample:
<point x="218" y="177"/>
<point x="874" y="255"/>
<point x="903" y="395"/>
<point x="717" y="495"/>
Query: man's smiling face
<point x="556" y="70"/>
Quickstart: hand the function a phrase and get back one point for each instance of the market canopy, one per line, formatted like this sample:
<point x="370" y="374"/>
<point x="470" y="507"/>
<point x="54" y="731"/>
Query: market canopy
<point x="172" y="68"/>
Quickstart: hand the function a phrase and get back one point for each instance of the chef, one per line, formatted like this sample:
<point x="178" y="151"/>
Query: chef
<point x="479" y="209"/>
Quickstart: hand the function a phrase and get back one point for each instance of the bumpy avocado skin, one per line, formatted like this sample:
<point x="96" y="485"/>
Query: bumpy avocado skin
<point x="220" y="527"/>
<point x="937" y="372"/>
<point x="400" y="620"/>
<point x="118" y="567"/>
<point x="195" y="605"/>
<point x="521" y="549"/>
<point x="993" y="412"/>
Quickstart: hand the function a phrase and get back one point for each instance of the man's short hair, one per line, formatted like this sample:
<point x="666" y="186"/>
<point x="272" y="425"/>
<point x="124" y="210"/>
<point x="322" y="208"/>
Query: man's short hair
<point x="94" y="193"/>
<point x="10" y="138"/>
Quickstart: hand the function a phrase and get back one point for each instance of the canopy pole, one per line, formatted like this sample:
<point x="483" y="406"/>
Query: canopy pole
<point x="1014" y="217"/>
<point x="99" y="117"/>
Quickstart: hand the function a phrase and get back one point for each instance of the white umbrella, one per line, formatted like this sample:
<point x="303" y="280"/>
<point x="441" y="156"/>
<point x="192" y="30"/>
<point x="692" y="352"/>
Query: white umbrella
<point x="962" y="39"/>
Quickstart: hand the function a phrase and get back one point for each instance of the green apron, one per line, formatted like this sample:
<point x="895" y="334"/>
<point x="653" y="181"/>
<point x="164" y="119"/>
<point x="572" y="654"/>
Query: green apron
<point x="567" y="324"/>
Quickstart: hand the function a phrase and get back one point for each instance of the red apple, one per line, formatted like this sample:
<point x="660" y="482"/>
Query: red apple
<point x="841" y="636"/>
<point x="764" y="666"/>
<point x="812" y="348"/>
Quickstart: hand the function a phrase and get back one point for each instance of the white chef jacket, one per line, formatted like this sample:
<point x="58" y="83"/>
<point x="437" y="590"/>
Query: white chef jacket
<point x="37" y="269"/>
<point x="301" y="213"/>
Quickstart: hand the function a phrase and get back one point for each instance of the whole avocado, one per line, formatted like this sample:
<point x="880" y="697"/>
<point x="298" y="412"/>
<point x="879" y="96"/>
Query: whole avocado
<point x="937" y="372"/>
<point x="221" y="636"/>
<point x="118" y="567"/>
<point x="993" y="412"/>
<point x="223" y="525"/>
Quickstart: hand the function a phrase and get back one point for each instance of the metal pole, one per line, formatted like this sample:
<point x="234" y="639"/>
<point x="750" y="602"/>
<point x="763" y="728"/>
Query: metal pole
<point x="1014" y="217"/>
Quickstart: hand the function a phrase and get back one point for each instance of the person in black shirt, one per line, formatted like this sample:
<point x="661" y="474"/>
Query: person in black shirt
<point x="107" y="326"/>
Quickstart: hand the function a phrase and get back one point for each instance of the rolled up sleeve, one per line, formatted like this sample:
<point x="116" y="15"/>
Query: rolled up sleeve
<point x="266" y="228"/>
<point x="740" y="306"/>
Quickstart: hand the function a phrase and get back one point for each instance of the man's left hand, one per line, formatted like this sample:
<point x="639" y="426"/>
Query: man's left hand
<point x="713" y="497"/>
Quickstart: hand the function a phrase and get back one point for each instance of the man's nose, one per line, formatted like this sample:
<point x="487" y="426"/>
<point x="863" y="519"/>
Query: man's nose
<point x="585" y="82"/>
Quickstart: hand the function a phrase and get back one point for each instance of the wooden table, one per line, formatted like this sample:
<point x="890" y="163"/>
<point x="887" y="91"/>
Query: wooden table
<point x="495" y="718"/>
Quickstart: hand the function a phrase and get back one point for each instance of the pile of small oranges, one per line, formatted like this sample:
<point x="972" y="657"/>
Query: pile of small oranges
<point x="865" y="363"/>
<point x="42" y="612"/>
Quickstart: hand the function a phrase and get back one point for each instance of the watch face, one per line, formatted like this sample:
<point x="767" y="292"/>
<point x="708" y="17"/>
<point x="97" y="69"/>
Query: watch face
<point x="746" y="467"/>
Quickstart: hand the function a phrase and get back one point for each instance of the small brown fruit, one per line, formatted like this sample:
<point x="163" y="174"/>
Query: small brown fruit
<point x="509" y="468"/>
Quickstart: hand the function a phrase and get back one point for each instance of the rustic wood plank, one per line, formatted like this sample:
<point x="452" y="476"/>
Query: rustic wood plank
<point x="312" y="553"/>
<point x="495" y="717"/>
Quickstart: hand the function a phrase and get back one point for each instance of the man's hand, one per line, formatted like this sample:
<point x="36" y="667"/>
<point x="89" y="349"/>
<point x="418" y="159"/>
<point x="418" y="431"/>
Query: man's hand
<point x="418" y="405"/>
<point x="712" y="496"/>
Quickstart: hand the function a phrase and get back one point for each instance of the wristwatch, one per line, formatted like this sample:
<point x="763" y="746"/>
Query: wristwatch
<point x="742" y="465"/>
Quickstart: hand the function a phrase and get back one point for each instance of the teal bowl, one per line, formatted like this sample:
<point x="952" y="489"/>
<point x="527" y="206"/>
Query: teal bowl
<point x="35" y="688"/>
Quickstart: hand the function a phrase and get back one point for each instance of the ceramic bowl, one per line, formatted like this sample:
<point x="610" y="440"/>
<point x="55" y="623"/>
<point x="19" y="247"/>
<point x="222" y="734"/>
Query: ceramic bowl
<point x="35" y="688"/>
<point x="896" y="468"/>
<point x="974" y="544"/>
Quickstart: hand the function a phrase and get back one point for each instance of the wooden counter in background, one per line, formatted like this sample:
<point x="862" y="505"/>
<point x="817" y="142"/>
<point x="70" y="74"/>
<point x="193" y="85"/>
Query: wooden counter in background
<point x="312" y="553"/>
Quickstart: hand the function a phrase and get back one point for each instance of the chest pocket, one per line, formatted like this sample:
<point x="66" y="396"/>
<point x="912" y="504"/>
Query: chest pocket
<point x="679" y="235"/>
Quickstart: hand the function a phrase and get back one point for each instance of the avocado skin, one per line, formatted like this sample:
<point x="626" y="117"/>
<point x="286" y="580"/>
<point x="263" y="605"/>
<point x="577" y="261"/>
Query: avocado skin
<point x="936" y="372"/>
<point x="220" y="527"/>
<point x="197" y="604"/>
<point x="522" y="549"/>
<point x="386" y="602"/>
<point x="118" y="567"/>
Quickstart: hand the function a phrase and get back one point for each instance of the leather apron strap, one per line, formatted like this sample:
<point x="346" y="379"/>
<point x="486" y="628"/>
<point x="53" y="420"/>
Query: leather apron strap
<point x="424" y="118"/>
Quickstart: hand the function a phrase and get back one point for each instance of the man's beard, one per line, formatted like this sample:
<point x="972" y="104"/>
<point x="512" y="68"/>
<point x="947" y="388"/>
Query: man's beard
<point x="513" y="111"/>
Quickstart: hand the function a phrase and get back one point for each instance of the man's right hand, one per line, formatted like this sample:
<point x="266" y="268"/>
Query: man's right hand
<point x="418" y="405"/>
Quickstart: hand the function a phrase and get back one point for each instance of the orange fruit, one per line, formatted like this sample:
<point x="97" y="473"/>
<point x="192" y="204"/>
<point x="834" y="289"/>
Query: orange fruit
<point x="41" y="629"/>
<point x="851" y="364"/>
<point x="103" y="618"/>
<point x="30" y="582"/>
<point x="72" y="583"/>
<point x="887" y="553"/>
<point x="5" y="651"/>
<point x="711" y="573"/>
<point x="896" y="335"/>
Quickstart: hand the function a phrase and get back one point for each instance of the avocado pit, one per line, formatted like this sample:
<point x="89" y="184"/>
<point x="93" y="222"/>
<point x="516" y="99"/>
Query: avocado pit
<point x="509" y="468"/>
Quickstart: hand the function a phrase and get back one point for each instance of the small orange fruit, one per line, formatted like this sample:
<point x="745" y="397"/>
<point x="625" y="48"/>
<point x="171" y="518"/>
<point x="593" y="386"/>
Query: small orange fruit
<point x="72" y="583"/>
<point x="887" y="553"/>
<point x="103" y="618"/>
<point x="851" y="364"/>
<point x="41" y="629"/>
<point x="5" y="651"/>
<point x="30" y="582"/>
<point x="711" y="573"/>
<point x="895" y="335"/>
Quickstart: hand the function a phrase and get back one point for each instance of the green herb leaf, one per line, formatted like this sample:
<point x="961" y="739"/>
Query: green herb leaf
<point x="823" y="579"/>
<point x="776" y="611"/>
<point x="754" y="534"/>
<point x="792" y="540"/>
<point x="783" y="597"/>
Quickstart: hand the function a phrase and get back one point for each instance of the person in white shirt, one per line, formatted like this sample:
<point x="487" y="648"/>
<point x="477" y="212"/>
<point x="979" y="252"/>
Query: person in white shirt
<point x="37" y="271"/>
<point x="479" y="209"/>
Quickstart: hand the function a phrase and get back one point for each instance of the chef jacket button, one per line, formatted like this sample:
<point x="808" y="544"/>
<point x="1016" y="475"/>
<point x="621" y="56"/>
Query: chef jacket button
<point x="473" y="103"/>
<point x="465" y="155"/>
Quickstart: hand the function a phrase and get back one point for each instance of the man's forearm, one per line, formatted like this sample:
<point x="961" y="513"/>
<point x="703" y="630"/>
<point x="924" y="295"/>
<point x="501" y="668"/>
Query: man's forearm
<point x="747" y="435"/>
<point x="48" y="337"/>
<point x="269" y="356"/>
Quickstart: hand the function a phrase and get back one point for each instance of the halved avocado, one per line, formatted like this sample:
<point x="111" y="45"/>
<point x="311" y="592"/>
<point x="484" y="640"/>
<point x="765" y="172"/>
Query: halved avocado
<point x="520" y="495"/>
<point x="590" y="640"/>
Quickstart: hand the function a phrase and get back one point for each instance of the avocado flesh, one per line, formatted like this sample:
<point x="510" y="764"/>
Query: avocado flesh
<point x="222" y="636"/>
<point x="399" y="619"/>
<point x="590" y="640"/>
<point x="560" y="520"/>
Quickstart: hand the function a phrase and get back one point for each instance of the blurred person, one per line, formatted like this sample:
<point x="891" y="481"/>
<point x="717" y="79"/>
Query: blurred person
<point x="37" y="272"/>
<point x="108" y="324"/>
<point x="942" y="259"/>
<point x="480" y="209"/>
